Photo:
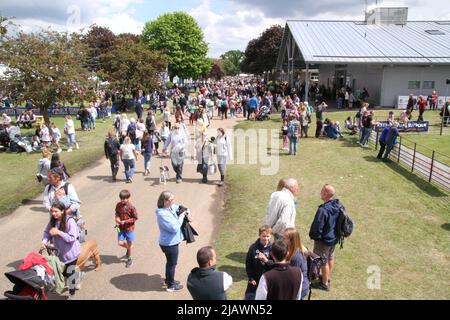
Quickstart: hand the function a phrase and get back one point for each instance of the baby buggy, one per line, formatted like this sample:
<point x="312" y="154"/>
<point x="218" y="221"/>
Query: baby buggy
<point x="28" y="285"/>
<point x="263" y="113"/>
<point x="33" y="279"/>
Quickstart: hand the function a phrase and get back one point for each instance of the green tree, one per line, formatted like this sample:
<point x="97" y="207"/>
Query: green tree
<point x="261" y="53"/>
<point x="44" y="67"/>
<point x="216" y="71"/>
<point x="181" y="39"/>
<point x="131" y="67"/>
<point x="232" y="61"/>
<point x="99" y="40"/>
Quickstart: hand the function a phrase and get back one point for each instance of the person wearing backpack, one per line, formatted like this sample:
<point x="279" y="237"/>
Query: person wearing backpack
<point x="324" y="233"/>
<point x="112" y="149"/>
<point x="293" y="129"/>
<point x="51" y="196"/>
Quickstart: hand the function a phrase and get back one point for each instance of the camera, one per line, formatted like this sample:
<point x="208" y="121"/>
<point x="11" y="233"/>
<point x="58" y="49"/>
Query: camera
<point x="182" y="209"/>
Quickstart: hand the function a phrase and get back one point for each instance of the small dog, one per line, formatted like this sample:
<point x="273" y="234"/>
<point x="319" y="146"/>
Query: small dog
<point x="89" y="251"/>
<point x="164" y="174"/>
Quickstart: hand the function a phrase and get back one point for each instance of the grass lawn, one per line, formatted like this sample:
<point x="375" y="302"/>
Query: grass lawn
<point x="402" y="222"/>
<point x="18" y="170"/>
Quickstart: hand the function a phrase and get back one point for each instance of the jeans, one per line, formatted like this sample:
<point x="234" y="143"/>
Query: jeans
<point x="293" y="145"/>
<point x="365" y="135"/>
<point x="178" y="170"/>
<point x="171" y="253"/>
<point x="129" y="168"/>
<point x="389" y="148"/>
<point x="114" y="160"/>
<point x="147" y="159"/>
<point x="71" y="139"/>
<point x="233" y="112"/>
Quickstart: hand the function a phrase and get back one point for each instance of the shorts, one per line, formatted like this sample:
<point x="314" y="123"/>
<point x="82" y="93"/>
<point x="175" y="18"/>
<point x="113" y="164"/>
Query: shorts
<point x="129" y="236"/>
<point x="326" y="252"/>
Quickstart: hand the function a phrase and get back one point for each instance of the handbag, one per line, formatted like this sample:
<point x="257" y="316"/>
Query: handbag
<point x="212" y="169"/>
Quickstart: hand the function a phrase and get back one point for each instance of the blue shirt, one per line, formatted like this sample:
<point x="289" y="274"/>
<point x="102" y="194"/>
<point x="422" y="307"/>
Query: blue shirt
<point x="253" y="103"/>
<point x="384" y="134"/>
<point x="169" y="226"/>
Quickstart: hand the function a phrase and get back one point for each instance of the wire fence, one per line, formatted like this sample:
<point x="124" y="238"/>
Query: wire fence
<point x="428" y="163"/>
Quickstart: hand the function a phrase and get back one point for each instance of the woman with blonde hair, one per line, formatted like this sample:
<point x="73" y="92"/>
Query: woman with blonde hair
<point x="128" y="155"/>
<point x="296" y="256"/>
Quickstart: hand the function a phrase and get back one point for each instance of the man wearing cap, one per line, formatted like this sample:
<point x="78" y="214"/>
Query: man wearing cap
<point x="391" y="140"/>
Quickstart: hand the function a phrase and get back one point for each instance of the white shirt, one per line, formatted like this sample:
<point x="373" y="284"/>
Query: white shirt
<point x="227" y="281"/>
<point x="45" y="134"/>
<point x="69" y="127"/>
<point x="281" y="211"/>
<point x="127" y="151"/>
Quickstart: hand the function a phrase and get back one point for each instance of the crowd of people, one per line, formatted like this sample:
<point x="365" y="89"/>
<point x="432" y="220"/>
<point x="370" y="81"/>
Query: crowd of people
<point x="277" y="269"/>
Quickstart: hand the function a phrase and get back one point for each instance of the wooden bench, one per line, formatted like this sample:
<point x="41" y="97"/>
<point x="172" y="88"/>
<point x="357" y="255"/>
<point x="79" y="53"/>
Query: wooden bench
<point x="39" y="120"/>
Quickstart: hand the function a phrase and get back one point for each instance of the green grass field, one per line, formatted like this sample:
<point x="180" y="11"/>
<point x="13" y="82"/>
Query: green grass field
<point x="401" y="221"/>
<point x="18" y="170"/>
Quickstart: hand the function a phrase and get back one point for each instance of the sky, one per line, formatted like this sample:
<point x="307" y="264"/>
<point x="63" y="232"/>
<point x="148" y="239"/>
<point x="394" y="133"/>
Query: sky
<point x="226" y="24"/>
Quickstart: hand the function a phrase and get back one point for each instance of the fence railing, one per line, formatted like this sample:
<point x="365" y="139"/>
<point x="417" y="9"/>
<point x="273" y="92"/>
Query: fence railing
<point x="435" y="168"/>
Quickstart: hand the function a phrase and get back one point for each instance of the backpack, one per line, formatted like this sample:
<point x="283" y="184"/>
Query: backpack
<point x="132" y="132"/>
<point x="314" y="262"/>
<point x="344" y="226"/>
<point x="292" y="131"/>
<point x="82" y="232"/>
<point x="223" y="104"/>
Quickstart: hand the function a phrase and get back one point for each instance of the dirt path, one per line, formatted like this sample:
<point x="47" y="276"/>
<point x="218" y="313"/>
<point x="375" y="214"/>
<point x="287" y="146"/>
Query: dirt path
<point x="22" y="231"/>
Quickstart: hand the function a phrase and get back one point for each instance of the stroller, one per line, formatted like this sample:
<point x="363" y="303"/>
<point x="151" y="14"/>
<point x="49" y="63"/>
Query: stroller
<point x="263" y="113"/>
<point x="30" y="284"/>
<point x="27" y="285"/>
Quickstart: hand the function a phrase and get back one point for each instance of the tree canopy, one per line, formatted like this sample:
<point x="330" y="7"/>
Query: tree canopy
<point x="261" y="53"/>
<point x="216" y="71"/>
<point x="45" y="67"/>
<point x="232" y="62"/>
<point x="181" y="39"/>
<point x="130" y="66"/>
<point x="99" y="40"/>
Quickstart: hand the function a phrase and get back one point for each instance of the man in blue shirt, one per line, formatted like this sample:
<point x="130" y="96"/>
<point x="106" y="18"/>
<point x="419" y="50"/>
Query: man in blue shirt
<point x="382" y="141"/>
<point x="391" y="140"/>
<point x="252" y="106"/>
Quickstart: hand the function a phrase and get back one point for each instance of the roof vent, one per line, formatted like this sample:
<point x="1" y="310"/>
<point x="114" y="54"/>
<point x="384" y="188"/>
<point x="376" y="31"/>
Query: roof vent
<point x="435" y="32"/>
<point x="387" y="16"/>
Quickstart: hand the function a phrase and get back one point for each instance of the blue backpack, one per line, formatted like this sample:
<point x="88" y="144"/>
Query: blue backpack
<point x="292" y="131"/>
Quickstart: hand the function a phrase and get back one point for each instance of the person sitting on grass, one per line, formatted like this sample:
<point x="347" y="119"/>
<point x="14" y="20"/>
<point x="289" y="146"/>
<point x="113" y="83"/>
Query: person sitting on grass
<point x="349" y="125"/>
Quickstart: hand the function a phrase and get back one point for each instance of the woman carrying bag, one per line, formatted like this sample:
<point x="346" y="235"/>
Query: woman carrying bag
<point x="205" y="150"/>
<point x="224" y="153"/>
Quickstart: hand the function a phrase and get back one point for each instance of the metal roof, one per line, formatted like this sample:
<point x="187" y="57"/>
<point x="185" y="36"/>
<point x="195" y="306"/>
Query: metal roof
<point x="357" y="42"/>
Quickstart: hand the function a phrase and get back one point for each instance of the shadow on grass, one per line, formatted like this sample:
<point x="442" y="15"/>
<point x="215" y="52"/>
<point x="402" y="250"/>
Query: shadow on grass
<point x="138" y="282"/>
<point x="446" y="226"/>
<point x="237" y="256"/>
<point x="237" y="273"/>
<point x="422" y="184"/>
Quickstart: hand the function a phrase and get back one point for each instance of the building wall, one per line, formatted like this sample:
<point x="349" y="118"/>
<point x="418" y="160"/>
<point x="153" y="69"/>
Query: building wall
<point x="358" y="76"/>
<point x="396" y="78"/>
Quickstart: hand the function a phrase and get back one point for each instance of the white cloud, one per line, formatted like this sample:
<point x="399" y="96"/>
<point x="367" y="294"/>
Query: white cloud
<point x="230" y="30"/>
<point x="120" y="23"/>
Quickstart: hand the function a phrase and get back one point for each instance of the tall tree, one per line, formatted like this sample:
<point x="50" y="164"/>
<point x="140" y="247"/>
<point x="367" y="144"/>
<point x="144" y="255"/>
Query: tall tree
<point x="232" y="62"/>
<point x="216" y="71"/>
<point x="130" y="67"/>
<point x="181" y="39"/>
<point x="261" y="53"/>
<point x="99" y="40"/>
<point x="44" y="67"/>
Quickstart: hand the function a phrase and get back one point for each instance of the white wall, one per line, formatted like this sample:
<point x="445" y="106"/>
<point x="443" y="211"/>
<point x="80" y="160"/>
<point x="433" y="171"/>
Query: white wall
<point x="395" y="81"/>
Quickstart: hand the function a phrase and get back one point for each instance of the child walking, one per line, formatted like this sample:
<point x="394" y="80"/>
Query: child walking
<point x="284" y="131"/>
<point x="126" y="216"/>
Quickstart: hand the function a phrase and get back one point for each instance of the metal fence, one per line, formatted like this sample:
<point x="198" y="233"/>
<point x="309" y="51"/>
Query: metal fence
<point x="434" y="168"/>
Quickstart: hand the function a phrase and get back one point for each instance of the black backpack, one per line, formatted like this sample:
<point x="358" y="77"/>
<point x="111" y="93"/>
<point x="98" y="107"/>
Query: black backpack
<point x="314" y="262"/>
<point x="344" y="226"/>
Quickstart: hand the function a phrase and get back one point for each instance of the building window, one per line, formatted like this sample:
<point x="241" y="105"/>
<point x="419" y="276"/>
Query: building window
<point x="428" y="85"/>
<point x="413" y="84"/>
